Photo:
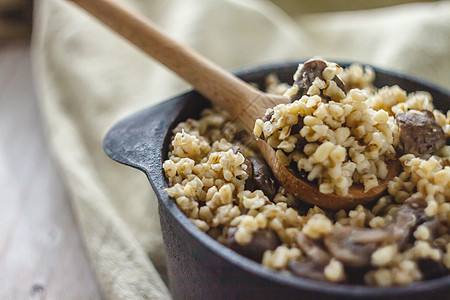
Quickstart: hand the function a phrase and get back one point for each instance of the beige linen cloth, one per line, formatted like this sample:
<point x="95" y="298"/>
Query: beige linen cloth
<point x="88" y="78"/>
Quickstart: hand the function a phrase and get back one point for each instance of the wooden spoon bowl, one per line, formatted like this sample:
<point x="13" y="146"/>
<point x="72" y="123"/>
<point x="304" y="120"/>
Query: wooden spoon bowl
<point x="309" y="191"/>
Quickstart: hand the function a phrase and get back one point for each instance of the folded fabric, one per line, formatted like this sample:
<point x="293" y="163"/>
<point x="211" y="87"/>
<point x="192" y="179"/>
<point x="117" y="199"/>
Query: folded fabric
<point x="88" y="78"/>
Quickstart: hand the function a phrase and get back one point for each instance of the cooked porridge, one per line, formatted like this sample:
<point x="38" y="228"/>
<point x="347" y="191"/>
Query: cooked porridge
<point x="338" y="130"/>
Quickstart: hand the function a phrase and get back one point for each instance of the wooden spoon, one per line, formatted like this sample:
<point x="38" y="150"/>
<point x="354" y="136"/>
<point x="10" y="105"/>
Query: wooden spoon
<point x="226" y="90"/>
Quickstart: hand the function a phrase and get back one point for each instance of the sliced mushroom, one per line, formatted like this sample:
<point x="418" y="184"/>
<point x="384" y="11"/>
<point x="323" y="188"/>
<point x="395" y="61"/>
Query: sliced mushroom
<point x="259" y="175"/>
<point x="262" y="177"/>
<point x="261" y="241"/>
<point x="306" y="268"/>
<point x="312" y="69"/>
<point x="410" y="214"/>
<point x="431" y="225"/>
<point x="312" y="249"/>
<point x="314" y="260"/>
<point x="344" y="246"/>
<point x="354" y="246"/>
<point x="420" y="133"/>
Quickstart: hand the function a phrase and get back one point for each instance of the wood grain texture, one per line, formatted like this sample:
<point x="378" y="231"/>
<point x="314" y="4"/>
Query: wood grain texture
<point x="41" y="254"/>
<point x="221" y="87"/>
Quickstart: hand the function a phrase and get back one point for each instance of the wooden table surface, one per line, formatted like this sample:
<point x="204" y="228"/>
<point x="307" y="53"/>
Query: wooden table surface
<point x="41" y="253"/>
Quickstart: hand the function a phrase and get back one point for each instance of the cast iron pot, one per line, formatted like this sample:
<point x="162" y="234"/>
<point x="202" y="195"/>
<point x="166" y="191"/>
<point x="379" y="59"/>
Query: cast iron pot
<point x="198" y="266"/>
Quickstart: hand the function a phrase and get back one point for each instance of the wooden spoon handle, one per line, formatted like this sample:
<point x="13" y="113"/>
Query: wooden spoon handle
<point x="216" y="84"/>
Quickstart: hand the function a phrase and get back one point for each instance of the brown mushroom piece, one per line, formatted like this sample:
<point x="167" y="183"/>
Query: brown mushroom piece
<point x="354" y="246"/>
<point x="419" y="133"/>
<point x="261" y="241"/>
<point x="343" y="244"/>
<point x="249" y="183"/>
<point x="432" y="226"/>
<point x="312" y="249"/>
<point x="262" y="177"/>
<point x="410" y="214"/>
<point x="313" y="263"/>
<point x="259" y="175"/>
<point x="312" y="69"/>
<point x="306" y="268"/>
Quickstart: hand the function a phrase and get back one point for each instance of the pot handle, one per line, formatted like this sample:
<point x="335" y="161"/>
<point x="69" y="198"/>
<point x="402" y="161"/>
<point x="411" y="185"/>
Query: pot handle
<point x="137" y="140"/>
